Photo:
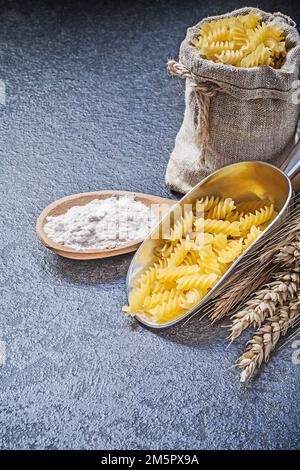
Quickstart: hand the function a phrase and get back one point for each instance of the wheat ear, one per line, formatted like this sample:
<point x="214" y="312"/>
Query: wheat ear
<point x="289" y="254"/>
<point x="265" y="302"/>
<point x="259" y="264"/>
<point x="266" y="337"/>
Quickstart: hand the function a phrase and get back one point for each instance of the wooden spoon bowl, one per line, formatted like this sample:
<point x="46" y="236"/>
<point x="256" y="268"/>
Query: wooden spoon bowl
<point x="61" y="206"/>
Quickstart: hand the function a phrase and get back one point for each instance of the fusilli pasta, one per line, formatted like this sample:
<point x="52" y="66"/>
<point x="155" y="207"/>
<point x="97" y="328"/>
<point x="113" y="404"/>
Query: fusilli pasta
<point x="203" y="246"/>
<point x="242" y="41"/>
<point x="260" y="217"/>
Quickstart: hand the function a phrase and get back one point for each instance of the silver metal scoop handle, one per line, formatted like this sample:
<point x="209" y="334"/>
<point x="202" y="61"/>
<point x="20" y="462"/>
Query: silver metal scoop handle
<point x="293" y="162"/>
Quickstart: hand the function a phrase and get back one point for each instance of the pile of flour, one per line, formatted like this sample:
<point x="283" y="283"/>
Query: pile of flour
<point x="101" y="224"/>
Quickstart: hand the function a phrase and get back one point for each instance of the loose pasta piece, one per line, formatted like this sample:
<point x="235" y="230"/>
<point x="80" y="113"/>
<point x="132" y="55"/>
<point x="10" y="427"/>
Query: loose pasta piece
<point x="219" y="242"/>
<point x="261" y="56"/>
<point x="223" y="268"/>
<point x="171" y="274"/>
<point x="168" y="309"/>
<point x="202" y="239"/>
<point x="276" y="33"/>
<point x="234" y="216"/>
<point x="155" y="299"/>
<point x="207" y="27"/>
<point x="206" y="203"/>
<point x="277" y="47"/>
<point x="218" y="33"/>
<point x="192" y="298"/>
<point x="202" y="281"/>
<point x="213" y="49"/>
<point x="251" y="20"/>
<point x="191" y="258"/>
<point x="230" y="57"/>
<point x="231" y="252"/>
<point x="167" y="250"/>
<point x="208" y="262"/>
<point x="164" y="250"/>
<point x="252" y="235"/>
<point x="180" y="252"/>
<point x="255" y="38"/>
<point x="161" y="287"/>
<point x="219" y="226"/>
<point x="238" y="34"/>
<point x="200" y="42"/>
<point x="222" y="209"/>
<point x="149" y="276"/>
<point x="161" y="264"/>
<point x="136" y="299"/>
<point x="183" y="227"/>
<point x="260" y="217"/>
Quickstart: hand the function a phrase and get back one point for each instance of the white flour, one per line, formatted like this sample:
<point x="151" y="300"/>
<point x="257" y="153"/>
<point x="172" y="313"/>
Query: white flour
<point x="101" y="224"/>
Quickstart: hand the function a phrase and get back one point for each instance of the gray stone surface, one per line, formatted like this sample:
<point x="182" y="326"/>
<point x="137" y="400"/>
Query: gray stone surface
<point x="89" y="106"/>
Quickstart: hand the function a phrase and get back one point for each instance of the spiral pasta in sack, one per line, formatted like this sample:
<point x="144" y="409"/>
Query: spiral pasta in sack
<point x="241" y="71"/>
<point x="242" y="41"/>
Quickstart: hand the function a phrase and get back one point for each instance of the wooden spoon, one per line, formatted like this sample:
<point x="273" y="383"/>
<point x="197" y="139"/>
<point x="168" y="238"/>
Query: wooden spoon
<point x="61" y="206"/>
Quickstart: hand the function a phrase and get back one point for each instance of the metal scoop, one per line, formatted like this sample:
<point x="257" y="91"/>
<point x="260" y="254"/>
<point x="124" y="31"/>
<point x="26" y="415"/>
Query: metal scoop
<point x="240" y="181"/>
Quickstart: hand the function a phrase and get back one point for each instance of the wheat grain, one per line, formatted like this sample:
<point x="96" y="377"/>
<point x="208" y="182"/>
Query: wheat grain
<point x="289" y="254"/>
<point x="266" y="338"/>
<point x="265" y="302"/>
<point x="286" y="233"/>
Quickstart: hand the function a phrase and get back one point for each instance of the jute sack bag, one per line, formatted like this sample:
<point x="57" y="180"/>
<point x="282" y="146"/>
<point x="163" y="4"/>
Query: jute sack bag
<point x="233" y="114"/>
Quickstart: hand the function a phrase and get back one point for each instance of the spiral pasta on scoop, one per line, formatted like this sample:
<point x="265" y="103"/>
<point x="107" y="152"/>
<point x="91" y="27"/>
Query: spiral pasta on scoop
<point x="200" y="247"/>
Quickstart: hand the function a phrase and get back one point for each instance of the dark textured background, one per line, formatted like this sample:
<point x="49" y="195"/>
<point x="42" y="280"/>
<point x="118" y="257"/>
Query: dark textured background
<point x="89" y="106"/>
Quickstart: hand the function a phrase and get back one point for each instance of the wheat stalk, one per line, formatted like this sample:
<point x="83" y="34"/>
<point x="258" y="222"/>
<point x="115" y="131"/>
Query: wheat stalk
<point x="267" y="336"/>
<point x="245" y="280"/>
<point x="264" y="303"/>
<point x="280" y="245"/>
<point x="238" y="293"/>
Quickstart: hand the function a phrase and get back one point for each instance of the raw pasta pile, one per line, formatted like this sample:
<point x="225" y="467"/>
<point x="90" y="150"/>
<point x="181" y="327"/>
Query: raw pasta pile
<point x="194" y="255"/>
<point x="242" y="41"/>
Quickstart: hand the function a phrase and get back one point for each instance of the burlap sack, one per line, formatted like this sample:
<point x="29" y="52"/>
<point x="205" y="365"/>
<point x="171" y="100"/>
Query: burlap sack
<point x="234" y="114"/>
